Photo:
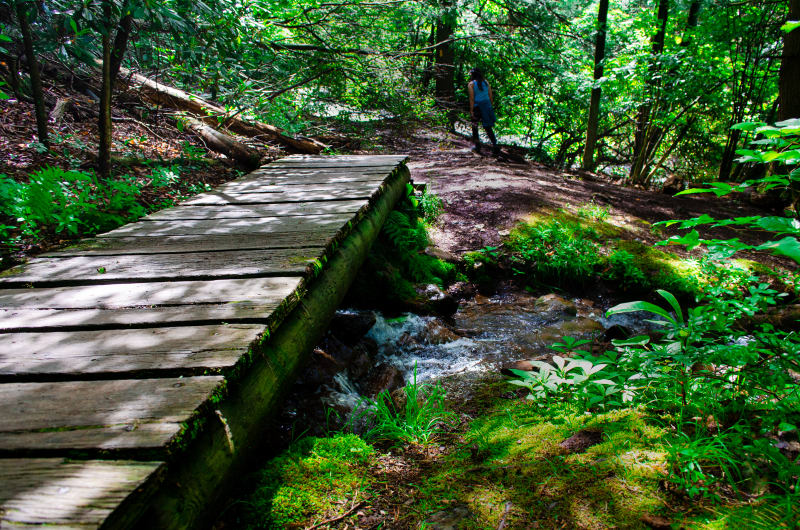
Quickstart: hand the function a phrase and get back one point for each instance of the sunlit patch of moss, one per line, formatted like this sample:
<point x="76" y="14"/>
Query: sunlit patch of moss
<point x="599" y="224"/>
<point x="512" y="455"/>
<point x="309" y="479"/>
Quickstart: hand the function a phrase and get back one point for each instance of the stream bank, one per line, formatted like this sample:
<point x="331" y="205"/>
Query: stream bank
<point x="500" y="459"/>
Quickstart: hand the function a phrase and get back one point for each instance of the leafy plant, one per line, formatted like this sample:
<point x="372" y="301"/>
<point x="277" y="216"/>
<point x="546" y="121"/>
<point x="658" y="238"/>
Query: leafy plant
<point x="420" y="419"/>
<point x="623" y="270"/>
<point x="560" y="252"/>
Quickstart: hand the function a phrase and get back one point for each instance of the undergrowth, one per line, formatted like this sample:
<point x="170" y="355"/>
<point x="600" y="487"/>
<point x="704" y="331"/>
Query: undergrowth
<point x="420" y="417"/>
<point x="397" y="260"/>
<point x="73" y="203"/>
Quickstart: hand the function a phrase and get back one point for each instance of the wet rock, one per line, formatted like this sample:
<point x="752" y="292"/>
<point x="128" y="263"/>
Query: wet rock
<point x="360" y="365"/>
<point x="383" y="377"/>
<point x="582" y="440"/>
<point x="616" y="332"/>
<point x="438" y="333"/>
<point x="320" y="369"/>
<point x="525" y="365"/>
<point x="337" y="350"/>
<point x="552" y="303"/>
<point x="462" y="290"/>
<point x="431" y="299"/>
<point x="441" y="254"/>
<point x="580" y="327"/>
<point x="450" y="519"/>
<point x="351" y="327"/>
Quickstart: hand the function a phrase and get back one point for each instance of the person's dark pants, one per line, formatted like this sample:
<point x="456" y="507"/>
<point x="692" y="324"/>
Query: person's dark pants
<point x="476" y="118"/>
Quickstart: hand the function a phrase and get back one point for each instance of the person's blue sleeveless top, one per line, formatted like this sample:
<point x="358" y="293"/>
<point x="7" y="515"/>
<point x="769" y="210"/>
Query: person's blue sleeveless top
<point x="481" y="91"/>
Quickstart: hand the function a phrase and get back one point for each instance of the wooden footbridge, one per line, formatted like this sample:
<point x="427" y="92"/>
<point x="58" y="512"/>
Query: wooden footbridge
<point x="139" y="369"/>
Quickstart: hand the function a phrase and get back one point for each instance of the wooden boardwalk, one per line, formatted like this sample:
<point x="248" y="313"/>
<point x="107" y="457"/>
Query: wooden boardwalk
<point x="129" y="358"/>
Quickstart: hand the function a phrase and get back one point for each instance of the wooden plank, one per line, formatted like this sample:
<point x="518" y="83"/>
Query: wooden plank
<point x="256" y="210"/>
<point x="285" y="196"/>
<point x="280" y="187"/>
<point x="20" y="320"/>
<point x="142" y="414"/>
<point x="51" y="272"/>
<point x="255" y="291"/>
<point x="189" y="350"/>
<point x="109" y="245"/>
<point x="328" y="224"/>
<point x="301" y="182"/>
<point x="59" y="493"/>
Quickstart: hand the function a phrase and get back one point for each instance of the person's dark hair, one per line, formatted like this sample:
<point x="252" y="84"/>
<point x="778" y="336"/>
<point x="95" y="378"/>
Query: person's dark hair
<point x="476" y="75"/>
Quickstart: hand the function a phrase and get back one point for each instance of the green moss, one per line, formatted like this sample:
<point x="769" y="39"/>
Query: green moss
<point x="312" y="477"/>
<point x="513" y="455"/>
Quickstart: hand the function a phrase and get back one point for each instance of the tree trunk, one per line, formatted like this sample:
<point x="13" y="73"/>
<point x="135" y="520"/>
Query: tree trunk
<point x="33" y="66"/>
<point x="594" y="104"/>
<point x="444" y="62"/>
<point x="121" y="41"/>
<point x="643" y="134"/>
<point x="213" y="115"/>
<point x="789" y="80"/>
<point x="104" y="154"/>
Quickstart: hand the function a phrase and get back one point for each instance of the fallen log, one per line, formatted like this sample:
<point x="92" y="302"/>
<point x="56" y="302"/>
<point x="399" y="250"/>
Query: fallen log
<point x="212" y="115"/>
<point x="224" y="143"/>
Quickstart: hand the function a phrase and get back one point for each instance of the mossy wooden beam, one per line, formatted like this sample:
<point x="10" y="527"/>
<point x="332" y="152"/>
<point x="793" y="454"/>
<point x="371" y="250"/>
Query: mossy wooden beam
<point x="204" y="468"/>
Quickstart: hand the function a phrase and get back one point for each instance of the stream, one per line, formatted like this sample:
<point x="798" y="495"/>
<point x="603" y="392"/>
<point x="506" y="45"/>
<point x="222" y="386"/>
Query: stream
<point x="365" y="352"/>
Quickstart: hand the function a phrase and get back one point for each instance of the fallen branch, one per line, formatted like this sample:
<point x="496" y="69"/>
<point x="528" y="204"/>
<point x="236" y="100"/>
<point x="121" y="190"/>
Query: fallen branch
<point x="339" y="518"/>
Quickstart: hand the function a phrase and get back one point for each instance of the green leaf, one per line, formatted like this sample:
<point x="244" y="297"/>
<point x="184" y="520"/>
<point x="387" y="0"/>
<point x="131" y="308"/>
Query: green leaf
<point x="669" y="297"/>
<point x="639" y="340"/>
<point x="788" y="246"/>
<point x="790" y="25"/>
<point x="630" y="307"/>
<point x="747" y="125"/>
<point x="691" y="240"/>
<point x="786" y="427"/>
<point x="779" y="224"/>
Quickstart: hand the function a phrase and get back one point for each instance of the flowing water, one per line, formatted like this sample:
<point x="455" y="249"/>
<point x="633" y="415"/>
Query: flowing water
<point x="485" y="335"/>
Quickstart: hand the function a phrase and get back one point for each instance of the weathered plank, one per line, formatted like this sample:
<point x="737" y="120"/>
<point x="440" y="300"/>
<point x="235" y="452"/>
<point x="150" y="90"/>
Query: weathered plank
<point x="109" y="245"/>
<point x="256" y="210"/>
<point x="84" y="319"/>
<point x="188" y="350"/>
<point x="44" y="272"/>
<point x="292" y="177"/>
<point x="279" y="187"/>
<point x="327" y="223"/>
<point x="59" y="493"/>
<point x="145" y="414"/>
<point x="282" y="179"/>
<point x="288" y="195"/>
<point x="260" y="291"/>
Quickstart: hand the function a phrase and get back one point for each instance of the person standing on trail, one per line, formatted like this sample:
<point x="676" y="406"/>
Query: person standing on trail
<point x="480" y="104"/>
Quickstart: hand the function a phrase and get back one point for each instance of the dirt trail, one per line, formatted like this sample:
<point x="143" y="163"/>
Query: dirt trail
<point x="485" y="197"/>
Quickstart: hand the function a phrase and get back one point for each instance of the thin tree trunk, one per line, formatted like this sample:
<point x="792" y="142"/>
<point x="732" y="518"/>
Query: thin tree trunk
<point x="121" y="42"/>
<point x="33" y="66"/>
<point x="594" y="104"/>
<point x="789" y="81"/>
<point x="444" y="62"/>
<point x="643" y="118"/>
<point x="104" y="154"/>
